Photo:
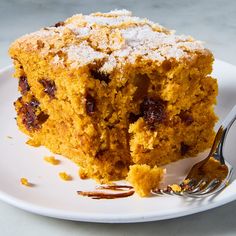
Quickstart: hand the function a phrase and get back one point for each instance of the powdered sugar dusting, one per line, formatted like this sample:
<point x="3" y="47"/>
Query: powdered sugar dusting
<point x="140" y="41"/>
<point x="44" y="33"/>
<point x="122" y="12"/>
<point x="39" y="34"/>
<point x="144" y="36"/>
<point x="171" y="52"/>
<point x="190" y="46"/>
<point x="79" y="31"/>
<point x="116" y="12"/>
<point x="82" y="54"/>
<point x="154" y="56"/>
<point x="115" y="21"/>
<point x="116" y="36"/>
<point x="57" y="61"/>
<point x="145" y="42"/>
<point x="109" y="65"/>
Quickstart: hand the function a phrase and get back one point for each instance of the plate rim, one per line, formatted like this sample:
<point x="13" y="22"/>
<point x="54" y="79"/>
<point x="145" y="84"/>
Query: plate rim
<point x="97" y="217"/>
<point x="107" y="217"/>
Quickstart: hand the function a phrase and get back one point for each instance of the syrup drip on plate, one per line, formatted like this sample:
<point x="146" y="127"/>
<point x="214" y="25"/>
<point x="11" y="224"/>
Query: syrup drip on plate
<point x="109" y="192"/>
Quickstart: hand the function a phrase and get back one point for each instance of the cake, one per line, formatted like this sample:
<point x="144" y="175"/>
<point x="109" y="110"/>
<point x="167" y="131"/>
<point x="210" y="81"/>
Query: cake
<point x="110" y="90"/>
<point x="145" y="178"/>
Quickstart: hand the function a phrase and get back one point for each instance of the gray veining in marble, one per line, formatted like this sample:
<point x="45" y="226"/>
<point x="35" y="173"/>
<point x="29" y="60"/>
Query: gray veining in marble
<point x="213" y="21"/>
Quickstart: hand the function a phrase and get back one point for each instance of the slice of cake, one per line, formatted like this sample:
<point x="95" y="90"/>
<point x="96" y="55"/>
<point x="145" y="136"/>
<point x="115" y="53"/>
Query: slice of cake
<point x="109" y="90"/>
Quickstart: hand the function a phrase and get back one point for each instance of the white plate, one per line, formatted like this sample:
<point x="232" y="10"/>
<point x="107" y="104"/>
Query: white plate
<point x="52" y="197"/>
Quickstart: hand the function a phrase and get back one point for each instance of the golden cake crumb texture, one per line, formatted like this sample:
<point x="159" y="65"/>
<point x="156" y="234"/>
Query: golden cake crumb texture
<point x="144" y="178"/>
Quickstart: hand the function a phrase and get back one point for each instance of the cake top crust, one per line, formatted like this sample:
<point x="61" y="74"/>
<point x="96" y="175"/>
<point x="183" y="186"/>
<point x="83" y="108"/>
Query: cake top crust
<point x="113" y="39"/>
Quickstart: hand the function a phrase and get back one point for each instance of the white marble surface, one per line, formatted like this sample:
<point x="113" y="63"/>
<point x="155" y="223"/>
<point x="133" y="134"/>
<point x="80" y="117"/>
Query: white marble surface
<point x="212" y="21"/>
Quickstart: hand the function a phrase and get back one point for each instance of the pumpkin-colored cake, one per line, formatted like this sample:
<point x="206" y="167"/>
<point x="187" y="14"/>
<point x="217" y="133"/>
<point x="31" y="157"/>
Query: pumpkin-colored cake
<point x="109" y="90"/>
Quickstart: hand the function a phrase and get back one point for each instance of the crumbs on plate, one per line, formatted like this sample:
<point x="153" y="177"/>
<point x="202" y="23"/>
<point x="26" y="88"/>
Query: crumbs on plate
<point x="52" y="160"/>
<point x="65" y="176"/>
<point x="25" y="182"/>
<point x="33" y="143"/>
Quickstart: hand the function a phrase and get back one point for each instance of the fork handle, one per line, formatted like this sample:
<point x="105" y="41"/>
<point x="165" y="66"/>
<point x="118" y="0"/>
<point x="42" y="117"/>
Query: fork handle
<point x="229" y="119"/>
<point x="217" y="148"/>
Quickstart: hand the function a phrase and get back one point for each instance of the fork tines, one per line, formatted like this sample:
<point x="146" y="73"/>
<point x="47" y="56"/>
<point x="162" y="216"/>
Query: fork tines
<point x="192" y="188"/>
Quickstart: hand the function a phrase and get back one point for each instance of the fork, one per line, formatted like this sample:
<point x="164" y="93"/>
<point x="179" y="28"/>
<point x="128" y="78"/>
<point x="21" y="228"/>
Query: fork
<point x="210" y="175"/>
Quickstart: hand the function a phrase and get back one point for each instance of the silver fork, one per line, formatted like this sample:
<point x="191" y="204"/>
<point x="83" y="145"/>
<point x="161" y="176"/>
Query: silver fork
<point x="200" y="182"/>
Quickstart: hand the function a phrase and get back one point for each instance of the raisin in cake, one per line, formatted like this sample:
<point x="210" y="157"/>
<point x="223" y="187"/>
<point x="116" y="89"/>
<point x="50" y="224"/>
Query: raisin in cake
<point x="110" y="90"/>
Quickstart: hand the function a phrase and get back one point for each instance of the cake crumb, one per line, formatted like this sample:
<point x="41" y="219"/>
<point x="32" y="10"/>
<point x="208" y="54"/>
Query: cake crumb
<point x="33" y="143"/>
<point x="25" y="182"/>
<point x="52" y="160"/>
<point x="65" y="176"/>
<point x="10" y="137"/>
<point x="186" y="181"/>
<point x="144" y="178"/>
<point x="176" y="188"/>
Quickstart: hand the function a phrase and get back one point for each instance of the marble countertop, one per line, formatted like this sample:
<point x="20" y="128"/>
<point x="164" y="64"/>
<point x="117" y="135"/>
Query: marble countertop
<point x="212" y="21"/>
